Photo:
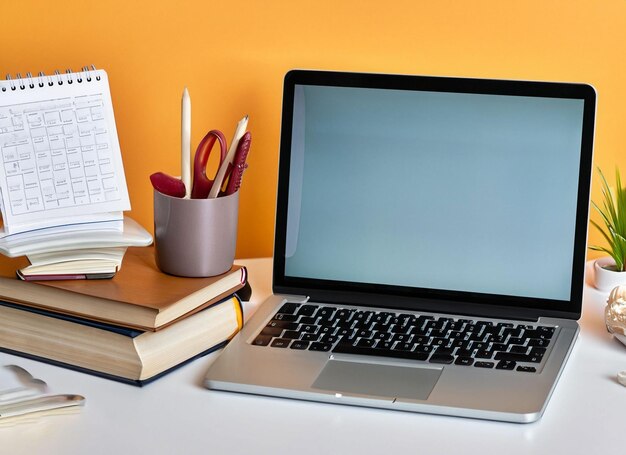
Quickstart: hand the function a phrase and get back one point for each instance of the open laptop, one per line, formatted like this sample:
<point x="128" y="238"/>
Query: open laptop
<point x="430" y="245"/>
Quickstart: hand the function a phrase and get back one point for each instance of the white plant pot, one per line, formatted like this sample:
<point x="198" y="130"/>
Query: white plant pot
<point x="605" y="278"/>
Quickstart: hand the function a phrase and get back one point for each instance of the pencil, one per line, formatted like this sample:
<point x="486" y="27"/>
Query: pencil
<point x="185" y="153"/>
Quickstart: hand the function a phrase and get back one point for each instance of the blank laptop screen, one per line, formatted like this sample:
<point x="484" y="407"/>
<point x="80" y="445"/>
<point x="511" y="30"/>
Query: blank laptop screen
<point x="438" y="190"/>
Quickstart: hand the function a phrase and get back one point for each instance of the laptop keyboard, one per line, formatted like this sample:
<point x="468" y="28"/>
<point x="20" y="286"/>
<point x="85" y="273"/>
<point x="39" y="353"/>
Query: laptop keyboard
<point x="439" y="340"/>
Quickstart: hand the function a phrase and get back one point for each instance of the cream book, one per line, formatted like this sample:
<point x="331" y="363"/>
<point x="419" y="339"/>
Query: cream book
<point x="114" y="352"/>
<point x="94" y="263"/>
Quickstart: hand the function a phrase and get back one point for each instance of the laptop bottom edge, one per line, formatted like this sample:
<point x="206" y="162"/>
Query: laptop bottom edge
<point x="382" y="404"/>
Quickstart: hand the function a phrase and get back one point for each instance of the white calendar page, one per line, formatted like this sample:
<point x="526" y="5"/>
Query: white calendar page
<point x="60" y="158"/>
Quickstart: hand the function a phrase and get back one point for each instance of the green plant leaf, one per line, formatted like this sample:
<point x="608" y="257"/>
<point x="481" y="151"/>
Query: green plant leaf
<point x="612" y="210"/>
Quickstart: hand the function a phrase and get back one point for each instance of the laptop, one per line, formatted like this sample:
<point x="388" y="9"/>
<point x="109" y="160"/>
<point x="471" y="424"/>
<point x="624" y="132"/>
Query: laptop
<point x="429" y="247"/>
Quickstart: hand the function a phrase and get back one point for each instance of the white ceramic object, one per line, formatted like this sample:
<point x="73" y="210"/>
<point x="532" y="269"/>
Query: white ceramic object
<point x="621" y="378"/>
<point x="606" y="279"/>
<point x="615" y="313"/>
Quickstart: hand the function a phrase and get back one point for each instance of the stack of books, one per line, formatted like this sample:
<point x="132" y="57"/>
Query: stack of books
<point x="133" y="328"/>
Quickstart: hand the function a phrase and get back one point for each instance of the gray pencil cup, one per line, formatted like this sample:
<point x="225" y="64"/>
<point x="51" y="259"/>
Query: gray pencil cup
<point x="195" y="237"/>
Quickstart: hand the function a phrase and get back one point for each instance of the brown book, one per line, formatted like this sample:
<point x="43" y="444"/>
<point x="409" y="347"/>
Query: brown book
<point x="139" y="296"/>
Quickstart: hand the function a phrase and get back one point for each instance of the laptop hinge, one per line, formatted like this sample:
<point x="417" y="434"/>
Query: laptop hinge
<point x="296" y="298"/>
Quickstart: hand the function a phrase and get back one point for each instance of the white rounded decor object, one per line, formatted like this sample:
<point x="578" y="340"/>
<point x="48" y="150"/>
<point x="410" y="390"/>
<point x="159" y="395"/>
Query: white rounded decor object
<point x="615" y="313"/>
<point x="605" y="277"/>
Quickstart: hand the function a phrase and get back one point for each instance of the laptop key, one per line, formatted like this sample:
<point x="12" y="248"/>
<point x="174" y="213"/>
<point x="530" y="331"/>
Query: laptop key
<point x="291" y="334"/>
<point x="425" y="348"/>
<point x="285" y="325"/>
<point x="326" y="313"/>
<point x="366" y="343"/>
<point x="479" y="345"/>
<point x="309" y="328"/>
<point x="343" y="332"/>
<point x="484" y="364"/>
<point x="544" y="333"/>
<point x="262" y="340"/>
<point x="538" y="351"/>
<point x="280" y="343"/>
<point x="538" y="342"/>
<point x="344" y="348"/>
<point x="288" y="308"/>
<point x="342" y="315"/>
<point x="437" y="341"/>
<point x="362" y="315"/>
<point x="402" y="346"/>
<point x="498" y="347"/>
<point x="505" y="365"/>
<point x="456" y="326"/>
<point x="441" y="358"/>
<point x="400" y="337"/>
<point x="404" y="329"/>
<point x="310" y="337"/>
<point x="320" y="346"/>
<point x="272" y="331"/>
<point x="297" y="344"/>
<point x="467" y="361"/>
<point x="329" y="338"/>
<point x="527" y="369"/>
<point x="307" y="310"/>
<point x="444" y="351"/>
<point x="307" y="320"/>
<point x="518" y="357"/>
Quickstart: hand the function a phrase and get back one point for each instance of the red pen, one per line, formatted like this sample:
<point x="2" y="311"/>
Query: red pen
<point x="239" y="164"/>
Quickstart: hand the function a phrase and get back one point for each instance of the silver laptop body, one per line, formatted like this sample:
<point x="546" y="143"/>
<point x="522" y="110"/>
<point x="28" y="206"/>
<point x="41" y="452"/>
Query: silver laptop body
<point x="451" y="213"/>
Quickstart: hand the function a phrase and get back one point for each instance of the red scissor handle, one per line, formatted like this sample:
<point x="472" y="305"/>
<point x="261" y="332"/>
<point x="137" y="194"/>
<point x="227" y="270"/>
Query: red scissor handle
<point x="201" y="183"/>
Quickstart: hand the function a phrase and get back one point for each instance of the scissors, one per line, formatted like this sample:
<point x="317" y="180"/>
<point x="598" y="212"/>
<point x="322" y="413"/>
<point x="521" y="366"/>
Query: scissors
<point x="201" y="183"/>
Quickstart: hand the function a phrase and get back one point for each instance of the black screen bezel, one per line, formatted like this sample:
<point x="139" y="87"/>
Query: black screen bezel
<point x="432" y="300"/>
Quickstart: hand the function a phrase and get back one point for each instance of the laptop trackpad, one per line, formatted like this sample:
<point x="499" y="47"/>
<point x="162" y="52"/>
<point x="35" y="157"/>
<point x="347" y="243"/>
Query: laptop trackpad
<point x="379" y="380"/>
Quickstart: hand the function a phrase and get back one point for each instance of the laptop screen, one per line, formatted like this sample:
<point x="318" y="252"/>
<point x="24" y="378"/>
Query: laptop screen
<point x="436" y="187"/>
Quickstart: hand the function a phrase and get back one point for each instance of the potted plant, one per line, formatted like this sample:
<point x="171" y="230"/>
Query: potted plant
<point x="609" y="271"/>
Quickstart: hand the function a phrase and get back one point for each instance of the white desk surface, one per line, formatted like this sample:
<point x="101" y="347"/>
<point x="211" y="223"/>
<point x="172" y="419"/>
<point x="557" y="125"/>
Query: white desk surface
<point x="176" y="415"/>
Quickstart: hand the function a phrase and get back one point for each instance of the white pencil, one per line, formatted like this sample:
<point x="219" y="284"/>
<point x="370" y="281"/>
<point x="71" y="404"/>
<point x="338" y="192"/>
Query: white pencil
<point x="230" y="156"/>
<point x="185" y="152"/>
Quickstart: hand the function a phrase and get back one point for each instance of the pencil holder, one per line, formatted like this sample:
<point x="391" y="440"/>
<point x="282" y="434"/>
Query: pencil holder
<point x="195" y="237"/>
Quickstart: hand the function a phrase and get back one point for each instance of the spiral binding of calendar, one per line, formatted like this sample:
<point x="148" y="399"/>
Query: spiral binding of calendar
<point x="29" y="82"/>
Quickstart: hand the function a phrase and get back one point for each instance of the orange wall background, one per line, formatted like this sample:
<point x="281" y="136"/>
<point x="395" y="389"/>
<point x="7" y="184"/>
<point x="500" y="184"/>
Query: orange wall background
<point x="232" y="56"/>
